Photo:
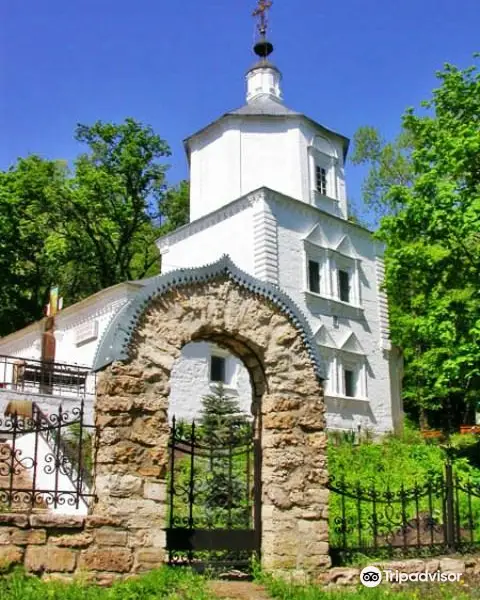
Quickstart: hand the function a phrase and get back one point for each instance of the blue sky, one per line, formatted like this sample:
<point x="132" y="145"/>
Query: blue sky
<point x="179" y="65"/>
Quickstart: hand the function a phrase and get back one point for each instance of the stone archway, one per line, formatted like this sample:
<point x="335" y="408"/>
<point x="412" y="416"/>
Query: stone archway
<point x="260" y="325"/>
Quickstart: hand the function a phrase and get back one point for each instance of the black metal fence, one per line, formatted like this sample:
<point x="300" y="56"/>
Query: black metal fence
<point x="213" y="491"/>
<point x="45" y="377"/>
<point x="46" y="460"/>
<point x="439" y="515"/>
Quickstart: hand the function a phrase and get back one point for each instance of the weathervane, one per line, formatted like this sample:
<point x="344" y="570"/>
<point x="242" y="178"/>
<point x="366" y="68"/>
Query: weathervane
<point x="261" y="12"/>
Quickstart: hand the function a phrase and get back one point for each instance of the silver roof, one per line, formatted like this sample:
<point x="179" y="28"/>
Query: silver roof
<point x="264" y="105"/>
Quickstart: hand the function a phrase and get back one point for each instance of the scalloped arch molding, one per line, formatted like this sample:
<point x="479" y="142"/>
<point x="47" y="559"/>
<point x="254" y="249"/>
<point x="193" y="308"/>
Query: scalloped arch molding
<point x="115" y="342"/>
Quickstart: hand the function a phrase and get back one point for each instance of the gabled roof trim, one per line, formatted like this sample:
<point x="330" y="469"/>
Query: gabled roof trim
<point x="346" y="247"/>
<point x="351" y="337"/>
<point x="317" y="232"/>
<point x="115" y="342"/>
<point x="328" y="341"/>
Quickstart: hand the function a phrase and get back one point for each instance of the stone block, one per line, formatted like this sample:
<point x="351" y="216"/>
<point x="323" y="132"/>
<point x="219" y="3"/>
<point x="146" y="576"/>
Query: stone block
<point x="57" y="521"/>
<point x="59" y="577"/>
<point x="317" y="530"/>
<point x="23" y="537"/>
<point x="279" y="497"/>
<point x="147" y="559"/>
<point x="150" y="404"/>
<point x="273" y="404"/>
<point x="340" y="576"/>
<point x="113" y="560"/>
<point x="118" y="486"/>
<point x="314" y="548"/>
<point x="74" y="540"/>
<point x="6" y="535"/>
<point x="155" y="491"/>
<point x="10" y="555"/>
<point x="452" y="565"/>
<point x="151" y="471"/>
<point x="432" y="565"/>
<point x="284" y="420"/>
<point x="113" y="421"/>
<point x="146" y="429"/>
<point x="154" y="537"/>
<point x="93" y="521"/>
<point x="107" y="536"/>
<point x="50" y="559"/>
<point x="17" y="520"/>
<point x="121" y="385"/>
<point x="113" y="404"/>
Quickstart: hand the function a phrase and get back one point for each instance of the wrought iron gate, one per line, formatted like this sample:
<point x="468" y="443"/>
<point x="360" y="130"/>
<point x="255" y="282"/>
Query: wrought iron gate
<point x="213" y="483"/>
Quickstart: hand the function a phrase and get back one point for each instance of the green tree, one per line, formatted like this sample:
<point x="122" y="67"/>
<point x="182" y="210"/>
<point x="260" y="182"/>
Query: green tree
<point x="111" y="215"/>
<point x="175" y="207"/>
<point x="88" y="228"/>
<point x="222" y="420"/>
<point x="224" y="426"/>
<point x="389" y="163"/>
<point x="30" y="256"/>
<point x="431" y="226"/>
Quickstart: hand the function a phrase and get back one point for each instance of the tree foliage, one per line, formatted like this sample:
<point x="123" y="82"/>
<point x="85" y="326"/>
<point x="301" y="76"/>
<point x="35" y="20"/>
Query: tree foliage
<point x="29" y="256"/>
<point x="88" y="228"/>
<point x="221" y="418"/>
<point x="175" y="207"/>
<point x="389" y="164"/>
<point x="432" y="231"/>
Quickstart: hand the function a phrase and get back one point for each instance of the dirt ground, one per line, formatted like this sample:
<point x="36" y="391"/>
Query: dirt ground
<point x="238" y="590"/>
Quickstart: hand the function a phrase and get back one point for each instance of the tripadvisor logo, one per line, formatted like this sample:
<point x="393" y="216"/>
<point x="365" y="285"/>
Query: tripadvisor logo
<point x="371" y="577"/>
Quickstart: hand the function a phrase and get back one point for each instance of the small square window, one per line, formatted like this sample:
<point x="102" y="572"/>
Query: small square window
<point x="314" y="276"/>
<point x="349" y="379"/>
<point x="344" y="285"/>
<point x="321" y="180"/>
<point x="217" y="369"/>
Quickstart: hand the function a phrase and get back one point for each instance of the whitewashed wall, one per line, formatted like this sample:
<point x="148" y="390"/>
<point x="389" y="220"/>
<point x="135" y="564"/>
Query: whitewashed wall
<point x="190" y="381"/>
<point x="251" y="153"/>
<point x="227" y="231"/>
<point x="294" y="222"/>
<point x="247" y="154"/>
<point x="378" y="407"/>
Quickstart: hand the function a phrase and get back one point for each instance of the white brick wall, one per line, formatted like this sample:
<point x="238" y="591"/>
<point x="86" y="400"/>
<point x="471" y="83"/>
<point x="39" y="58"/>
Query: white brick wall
<point x="279" y="225"/>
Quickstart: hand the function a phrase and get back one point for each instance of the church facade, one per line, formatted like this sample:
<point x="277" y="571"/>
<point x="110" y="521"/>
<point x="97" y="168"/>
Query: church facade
<point x="267" y="188"/>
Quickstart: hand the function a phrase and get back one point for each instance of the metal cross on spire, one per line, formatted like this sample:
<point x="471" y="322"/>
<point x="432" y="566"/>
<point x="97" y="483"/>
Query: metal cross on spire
<point x="261" y="12"/>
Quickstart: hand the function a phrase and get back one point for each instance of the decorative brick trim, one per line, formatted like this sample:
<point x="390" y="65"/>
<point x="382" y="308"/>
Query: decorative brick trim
<point x="265" y="238"/>
<point x="382" y="305"/>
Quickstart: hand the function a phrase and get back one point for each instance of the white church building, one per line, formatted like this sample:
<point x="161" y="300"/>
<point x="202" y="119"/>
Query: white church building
<point x="267" y="188"/>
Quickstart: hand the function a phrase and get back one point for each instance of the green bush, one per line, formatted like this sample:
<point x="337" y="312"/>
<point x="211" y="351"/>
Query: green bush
<point x="396" y="465"/>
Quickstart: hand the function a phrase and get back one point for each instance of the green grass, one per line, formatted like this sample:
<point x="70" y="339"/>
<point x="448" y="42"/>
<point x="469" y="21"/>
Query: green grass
<point x="180" y="584"/>
<point x="283" y="590"/>
<point x="162" y="584"/>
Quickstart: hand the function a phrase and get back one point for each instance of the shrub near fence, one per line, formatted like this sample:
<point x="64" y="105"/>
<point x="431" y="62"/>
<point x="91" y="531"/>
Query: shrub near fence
<point x="434" y="516"/>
